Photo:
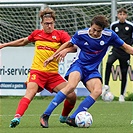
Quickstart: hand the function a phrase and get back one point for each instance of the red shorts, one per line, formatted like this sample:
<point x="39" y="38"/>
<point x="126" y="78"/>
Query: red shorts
<point x="45" y="79"/>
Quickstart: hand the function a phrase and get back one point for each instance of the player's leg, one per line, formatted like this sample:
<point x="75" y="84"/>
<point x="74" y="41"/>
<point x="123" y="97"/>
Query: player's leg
<point x="32" y="89"/>
<point x="24" y="103"/>
<point x="61" y="95"/>
<point x="124" y="63"/>
<point x="111" y="59"/>
<point x="93" y="85"/>
<point x="69" y="102"/>
<point x="68" y="106"/>
<point x="53" y="104"/>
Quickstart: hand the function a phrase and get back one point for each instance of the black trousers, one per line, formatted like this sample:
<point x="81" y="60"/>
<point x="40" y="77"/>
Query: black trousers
<point x="124" y="63"/>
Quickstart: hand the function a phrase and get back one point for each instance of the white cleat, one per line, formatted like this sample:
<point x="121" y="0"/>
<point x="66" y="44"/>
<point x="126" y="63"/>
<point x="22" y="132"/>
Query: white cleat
<point x="121" y="98"/>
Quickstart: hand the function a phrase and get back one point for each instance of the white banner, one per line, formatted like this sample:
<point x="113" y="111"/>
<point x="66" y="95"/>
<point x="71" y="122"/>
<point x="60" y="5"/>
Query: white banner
<point x="14" y="66"/>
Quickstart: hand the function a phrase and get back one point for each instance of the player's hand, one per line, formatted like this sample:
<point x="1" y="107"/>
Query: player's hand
<point x="61" y="55"/>
<point x="46" y="62"/>
<point x="1" y="46"/>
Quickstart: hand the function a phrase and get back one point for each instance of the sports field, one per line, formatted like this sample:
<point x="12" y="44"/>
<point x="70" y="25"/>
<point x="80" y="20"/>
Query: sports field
<point x="113" y="117"/>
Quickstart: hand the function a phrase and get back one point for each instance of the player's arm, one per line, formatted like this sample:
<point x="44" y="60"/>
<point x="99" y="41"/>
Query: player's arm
<point x="67" y="45"/>
<point x="16" y="43"/>
<point x="61" y="55"/>
<point x="127" y="48"/>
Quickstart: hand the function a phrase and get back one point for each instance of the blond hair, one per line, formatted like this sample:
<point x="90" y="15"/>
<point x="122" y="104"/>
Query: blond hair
<point x="47" y="12"/>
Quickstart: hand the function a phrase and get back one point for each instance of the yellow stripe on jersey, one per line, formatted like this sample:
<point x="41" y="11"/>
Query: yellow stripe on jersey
<point x="43" y="50"/>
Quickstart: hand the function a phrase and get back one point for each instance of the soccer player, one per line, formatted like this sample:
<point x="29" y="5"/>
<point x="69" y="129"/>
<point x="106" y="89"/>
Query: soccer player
<point x="124" y="29"/>
<point x="93" y="43"/>
<point x="47" y="41"/>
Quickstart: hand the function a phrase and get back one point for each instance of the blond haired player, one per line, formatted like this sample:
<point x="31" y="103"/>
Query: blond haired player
<point x="47" y="41"/>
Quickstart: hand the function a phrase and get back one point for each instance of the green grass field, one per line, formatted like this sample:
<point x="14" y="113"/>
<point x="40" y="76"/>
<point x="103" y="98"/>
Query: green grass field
<point x="113" y="117"/>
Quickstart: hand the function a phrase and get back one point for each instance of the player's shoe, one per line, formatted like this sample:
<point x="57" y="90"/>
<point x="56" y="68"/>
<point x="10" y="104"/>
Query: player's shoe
<point x="121" y="98"/>
<point x="71" y="122"/>
<point x="44" y="121"/>
<point x="63" y="119"/>
<point x="14" y="122"/>
<point x="105" y="89"/>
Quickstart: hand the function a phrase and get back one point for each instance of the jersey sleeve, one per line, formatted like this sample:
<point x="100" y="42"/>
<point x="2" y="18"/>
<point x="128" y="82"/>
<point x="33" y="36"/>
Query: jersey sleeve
<point x="65" y="37"/>
<point x="75" y="39"/>
<point x="116" y="41"/>
<point x="31" y="36"/>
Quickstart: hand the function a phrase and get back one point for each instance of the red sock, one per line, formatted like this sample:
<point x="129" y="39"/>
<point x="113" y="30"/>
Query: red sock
<point x="67" y="108"/>
<point x="22" y="106"/>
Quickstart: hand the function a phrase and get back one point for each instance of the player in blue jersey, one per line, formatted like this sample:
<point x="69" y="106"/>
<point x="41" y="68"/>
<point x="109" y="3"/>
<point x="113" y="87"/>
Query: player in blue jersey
<point x="92" y="45"/>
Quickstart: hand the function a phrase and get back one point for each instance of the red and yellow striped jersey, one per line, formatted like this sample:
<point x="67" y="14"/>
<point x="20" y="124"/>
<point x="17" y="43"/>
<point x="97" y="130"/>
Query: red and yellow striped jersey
<point x="45" y="46"/>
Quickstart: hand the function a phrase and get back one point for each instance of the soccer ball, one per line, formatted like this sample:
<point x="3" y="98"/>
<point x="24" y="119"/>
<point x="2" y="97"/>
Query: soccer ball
<point x="83" y="119"/>
<point x="108" y="97"/>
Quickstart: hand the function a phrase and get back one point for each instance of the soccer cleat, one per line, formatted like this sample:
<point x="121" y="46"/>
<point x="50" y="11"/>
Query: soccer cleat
<point x="14" y="122"/>
<point x="121" y="98"/>
<point x="63" y="119"/>
<point x="71" y="122"/>
<point x="44" y="120"/>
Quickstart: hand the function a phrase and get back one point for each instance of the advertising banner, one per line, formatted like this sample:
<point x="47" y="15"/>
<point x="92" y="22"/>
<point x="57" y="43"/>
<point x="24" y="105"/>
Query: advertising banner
<point x="14" y="66"/>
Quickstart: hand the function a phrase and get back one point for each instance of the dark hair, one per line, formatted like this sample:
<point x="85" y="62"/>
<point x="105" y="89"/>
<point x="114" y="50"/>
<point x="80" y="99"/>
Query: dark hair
<point x="122" y="10"/>
<point x="100" y="20"/>
<point x="47" y="12"/>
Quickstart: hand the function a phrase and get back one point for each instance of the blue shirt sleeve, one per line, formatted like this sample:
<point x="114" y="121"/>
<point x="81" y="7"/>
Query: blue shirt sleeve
<point x="116" y="40"/>
<point x="75" y="39"/>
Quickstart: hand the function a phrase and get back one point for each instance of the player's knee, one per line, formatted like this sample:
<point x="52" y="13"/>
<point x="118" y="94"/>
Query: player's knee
<point x="70" y="88"/>
<point x="97" y="91"/>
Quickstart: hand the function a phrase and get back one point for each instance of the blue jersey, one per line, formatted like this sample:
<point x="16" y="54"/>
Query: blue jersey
<point x="92" y="50"/>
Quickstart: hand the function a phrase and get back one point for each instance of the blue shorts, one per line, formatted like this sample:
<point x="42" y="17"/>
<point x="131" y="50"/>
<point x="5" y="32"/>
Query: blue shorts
<point x="84" y="72"/>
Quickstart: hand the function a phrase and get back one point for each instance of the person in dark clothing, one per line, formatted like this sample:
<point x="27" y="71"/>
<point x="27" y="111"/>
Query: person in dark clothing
<point x="124" y="29"/>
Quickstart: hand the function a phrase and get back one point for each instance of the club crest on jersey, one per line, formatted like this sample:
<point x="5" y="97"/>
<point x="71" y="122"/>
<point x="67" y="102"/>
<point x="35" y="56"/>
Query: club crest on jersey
<point x="102" y="43"/>
<point x="54" y="37"/>
<point x="126" y="28"/>
<point x="116" y="29"/>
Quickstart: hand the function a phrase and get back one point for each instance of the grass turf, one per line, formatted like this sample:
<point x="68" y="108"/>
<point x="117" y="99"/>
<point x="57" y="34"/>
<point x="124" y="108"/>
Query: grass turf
<point x="113" y="117"/>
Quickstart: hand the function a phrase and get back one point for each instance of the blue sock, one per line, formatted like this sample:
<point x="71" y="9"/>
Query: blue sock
<point x="55" y="102"/>
<point x="84" y="105"/>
